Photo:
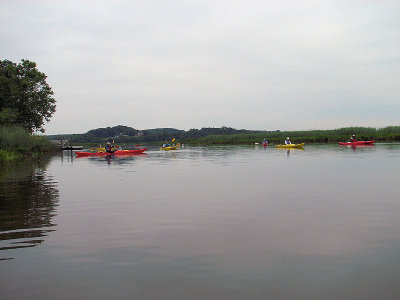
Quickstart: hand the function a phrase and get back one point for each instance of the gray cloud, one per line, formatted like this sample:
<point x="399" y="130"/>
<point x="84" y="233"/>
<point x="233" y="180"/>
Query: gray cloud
<point x="189" y="64"/>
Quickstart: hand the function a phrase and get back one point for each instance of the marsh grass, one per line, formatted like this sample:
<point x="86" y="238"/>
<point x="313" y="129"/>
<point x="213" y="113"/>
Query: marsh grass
<point x="390" y="134"/>
<point x="16" y="143"/>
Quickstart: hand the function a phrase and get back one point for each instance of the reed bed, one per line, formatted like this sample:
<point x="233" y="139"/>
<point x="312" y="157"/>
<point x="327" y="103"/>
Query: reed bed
<point x="387" y="134"/>
<point x="16" y="142"/>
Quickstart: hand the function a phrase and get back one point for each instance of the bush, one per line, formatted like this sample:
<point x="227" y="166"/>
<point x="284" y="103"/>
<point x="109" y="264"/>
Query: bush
<point x="9" y="156"/>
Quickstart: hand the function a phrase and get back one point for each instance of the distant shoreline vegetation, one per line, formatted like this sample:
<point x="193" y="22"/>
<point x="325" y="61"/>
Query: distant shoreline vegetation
<point x="226" y="135"/>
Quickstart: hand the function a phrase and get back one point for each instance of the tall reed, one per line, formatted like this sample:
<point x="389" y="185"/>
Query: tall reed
<point x="16" y="142"/>
<point x="13" y="137"/>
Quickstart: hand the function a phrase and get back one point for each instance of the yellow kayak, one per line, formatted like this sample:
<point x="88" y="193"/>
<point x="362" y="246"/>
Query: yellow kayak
<point x="168" y="148"/>
<point x="98" y="149"/>
<point x="290" y="146"/>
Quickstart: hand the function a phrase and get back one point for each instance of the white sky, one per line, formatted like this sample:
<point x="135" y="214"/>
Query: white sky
<point x="265" y="65"/>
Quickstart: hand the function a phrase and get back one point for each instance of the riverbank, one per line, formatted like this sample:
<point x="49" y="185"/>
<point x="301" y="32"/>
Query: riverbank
<point x="17" y="144"/>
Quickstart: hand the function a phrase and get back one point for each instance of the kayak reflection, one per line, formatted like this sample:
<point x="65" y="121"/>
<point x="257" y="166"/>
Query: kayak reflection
<point x="120" y="160"/>
<point x="354" y="147"/>
<point x="288" y="150"/>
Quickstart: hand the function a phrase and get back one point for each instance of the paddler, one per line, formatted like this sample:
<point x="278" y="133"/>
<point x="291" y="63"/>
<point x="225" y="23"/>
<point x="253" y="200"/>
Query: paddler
<point x="287" y="141"/>
<point x="109" y="148"/>
<point x="353" y="138"/>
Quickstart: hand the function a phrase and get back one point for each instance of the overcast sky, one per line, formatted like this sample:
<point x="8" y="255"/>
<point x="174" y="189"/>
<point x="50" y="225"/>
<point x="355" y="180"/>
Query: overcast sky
<point x="265" y="65"/>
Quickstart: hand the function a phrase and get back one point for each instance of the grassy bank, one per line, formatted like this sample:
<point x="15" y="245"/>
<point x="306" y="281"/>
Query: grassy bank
<point x="387" y="134"/>
<point x="16" y="143"/>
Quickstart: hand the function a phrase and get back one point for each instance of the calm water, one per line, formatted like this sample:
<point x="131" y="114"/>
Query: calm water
<point x="204" y="223"/>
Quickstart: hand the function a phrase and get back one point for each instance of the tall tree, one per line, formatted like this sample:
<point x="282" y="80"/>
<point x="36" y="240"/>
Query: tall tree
<point x="25" y="92"/>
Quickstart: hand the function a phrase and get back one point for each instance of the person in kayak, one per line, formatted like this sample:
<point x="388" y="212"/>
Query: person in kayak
<point x="166" y="144"/>
<point x="287" y="141"/>
<point x="264" y="141"/>
<point x="353" y="138"/>
<point x="109" y="148"/>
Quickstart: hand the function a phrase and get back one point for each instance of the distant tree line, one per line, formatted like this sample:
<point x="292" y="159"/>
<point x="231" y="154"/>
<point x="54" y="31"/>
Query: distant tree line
<point x="124" y="134"/>
<point x="227" y="135"/>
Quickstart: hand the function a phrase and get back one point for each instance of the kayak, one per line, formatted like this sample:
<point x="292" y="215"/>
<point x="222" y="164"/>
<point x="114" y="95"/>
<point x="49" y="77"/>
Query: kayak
<point x="265" y="144"/>
<point x="168" y="148"/>
<point x="357" y="143"/>
<point x="118" y="152"/>
<point x="290" y="146"/>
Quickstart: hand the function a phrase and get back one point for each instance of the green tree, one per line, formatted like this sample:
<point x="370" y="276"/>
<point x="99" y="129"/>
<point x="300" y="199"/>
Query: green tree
<point x="25" y="92"/>
<point x="8" y="116"/>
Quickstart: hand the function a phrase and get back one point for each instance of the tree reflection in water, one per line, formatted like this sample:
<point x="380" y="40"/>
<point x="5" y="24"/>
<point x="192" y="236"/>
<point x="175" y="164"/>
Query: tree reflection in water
<point x="28" y="201"/>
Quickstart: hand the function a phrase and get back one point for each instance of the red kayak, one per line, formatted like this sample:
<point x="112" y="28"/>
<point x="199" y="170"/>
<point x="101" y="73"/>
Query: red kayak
<point x="118" y="152"/>
<point x="357" y="143"/>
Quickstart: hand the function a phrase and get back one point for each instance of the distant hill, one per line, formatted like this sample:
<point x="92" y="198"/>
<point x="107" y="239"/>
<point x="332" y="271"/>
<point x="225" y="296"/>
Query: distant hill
<point x="125" y="134"/>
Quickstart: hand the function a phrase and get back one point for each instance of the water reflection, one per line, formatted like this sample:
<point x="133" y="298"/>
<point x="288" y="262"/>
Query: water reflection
<point x="67" y="155"/>
<point x="28" y="204"/>
<point x="216" y="223"/>
<point x="357" y="147"/>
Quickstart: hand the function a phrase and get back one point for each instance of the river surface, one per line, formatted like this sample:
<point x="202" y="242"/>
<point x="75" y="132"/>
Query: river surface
<point x="242" y="222"/>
